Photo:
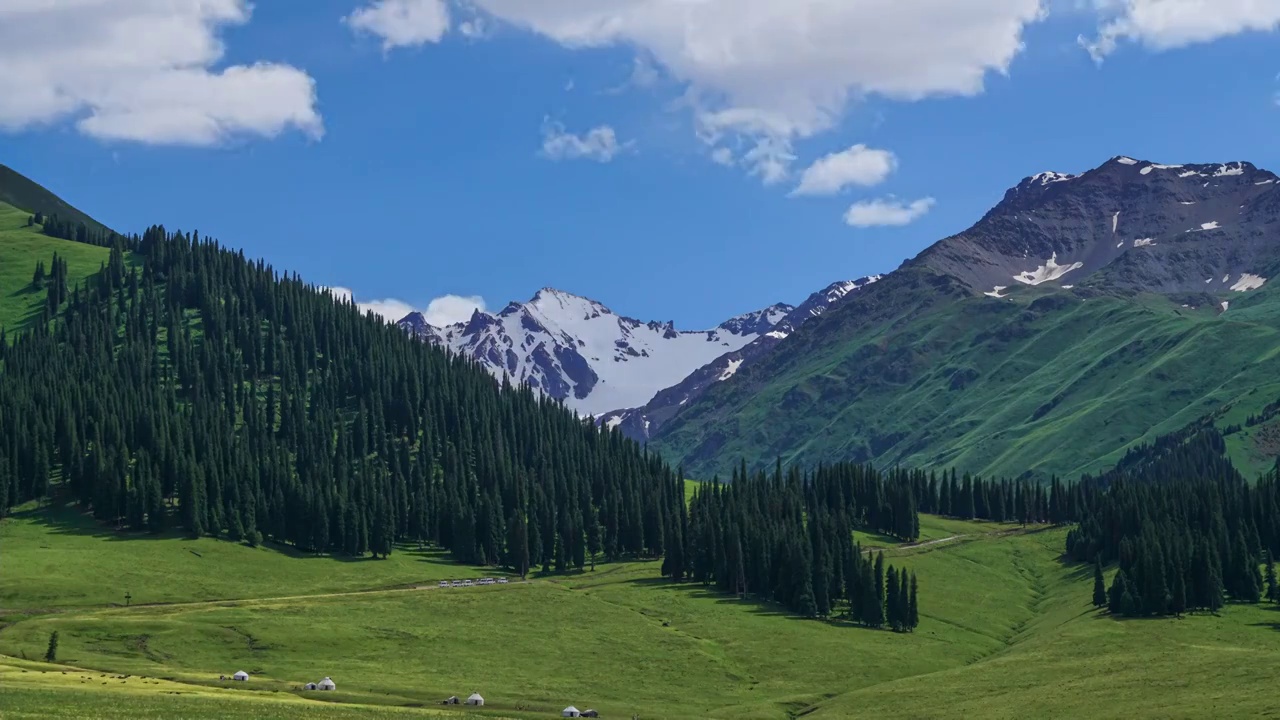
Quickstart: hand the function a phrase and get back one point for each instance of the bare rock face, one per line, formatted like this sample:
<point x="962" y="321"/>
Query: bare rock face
<point x="1128" y="225"/>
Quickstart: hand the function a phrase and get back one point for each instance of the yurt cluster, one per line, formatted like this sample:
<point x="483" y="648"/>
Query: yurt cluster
<point x="474" y="699"/>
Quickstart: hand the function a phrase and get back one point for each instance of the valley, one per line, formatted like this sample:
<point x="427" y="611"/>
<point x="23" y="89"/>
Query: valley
<point x="282" y="483"/>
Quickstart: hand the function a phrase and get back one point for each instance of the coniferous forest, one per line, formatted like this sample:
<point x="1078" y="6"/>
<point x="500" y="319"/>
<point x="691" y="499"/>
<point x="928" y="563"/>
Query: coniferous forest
<point x="1185" y="529"/>
<point x="789" y="539"/>
<point x="186" y="386"/>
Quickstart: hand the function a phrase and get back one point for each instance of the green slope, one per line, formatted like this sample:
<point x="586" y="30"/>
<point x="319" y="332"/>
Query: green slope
<point x="1006" y="624"/>
<point x="21" y="247"/>
<point x="22" y="192"/>
<point x="1049" y="381"/>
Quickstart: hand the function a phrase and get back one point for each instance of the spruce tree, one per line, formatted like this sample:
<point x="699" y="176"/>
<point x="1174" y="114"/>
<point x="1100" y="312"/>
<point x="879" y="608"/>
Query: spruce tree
<point x="51" y="654"/>
<point x="892" y="605"/>
<point x="913" y="614"/>
<point x="1099" y="584"/>
<point x="1273" y="589"/>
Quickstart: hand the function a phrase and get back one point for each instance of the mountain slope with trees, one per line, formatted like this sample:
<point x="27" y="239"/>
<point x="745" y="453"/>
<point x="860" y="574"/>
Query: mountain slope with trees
<point x="1102" y="326"/>
<point x="185" y="385"/>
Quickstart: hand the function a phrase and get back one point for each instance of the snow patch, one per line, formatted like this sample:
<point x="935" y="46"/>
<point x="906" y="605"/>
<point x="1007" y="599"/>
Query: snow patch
<point x="731" y="370"/>
<point x="1157" y="166"/>
<point x="1115" y="223"/>
<point x="1206" y="226"/>
<point x="1126" y="160"/>
<point x="1144" y="242"/>
<point x="1067" y="287"/>
<point x="613" y="422"/>
<point x="1225" y="305"/>
<point x="1249" y="281"/>
<point x="776" y="334"/>
<point x="1186" y="202"/>
<point x="1048" y="178"/>
<point x="1228" y="170"/>
<point x="1051" y="270"/>
<point x="996" y="292"/>
<point x="1264" y="182"/>
<point x="1189" y="173"/>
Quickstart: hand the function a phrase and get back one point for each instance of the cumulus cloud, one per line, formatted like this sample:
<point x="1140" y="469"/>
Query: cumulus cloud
<point x="442" y="311"/>
<point x="772" y="72"/>
<point x="599" y="144"/>
<point x="406" y="23"/>
<point x="144" y="71"/>
<point x="889" y="211"/>
<point x="1170" y="24"/>
<point x="453" y="309"/>
<point x="859" y="165"/>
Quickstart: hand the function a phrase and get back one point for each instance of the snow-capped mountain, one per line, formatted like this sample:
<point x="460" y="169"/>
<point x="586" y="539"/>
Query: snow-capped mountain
<point x="579" y="351"/>
<point x="1129" y="224"/>
<point x="641" y="422"/>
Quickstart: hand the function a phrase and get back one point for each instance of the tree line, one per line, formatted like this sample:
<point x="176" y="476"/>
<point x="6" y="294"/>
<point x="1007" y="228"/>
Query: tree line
<point x="1185" y="529"/>
<point x="788" y="538"/>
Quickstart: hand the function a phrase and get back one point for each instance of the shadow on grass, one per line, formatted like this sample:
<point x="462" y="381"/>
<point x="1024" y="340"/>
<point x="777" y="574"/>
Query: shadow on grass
<point x="59" y="517"/>
<point x="754" y="605"/>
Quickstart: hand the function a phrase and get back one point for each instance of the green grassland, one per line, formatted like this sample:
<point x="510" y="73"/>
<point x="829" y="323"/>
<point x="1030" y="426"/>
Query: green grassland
<point x="1005" y="627"/>
<point x="54" y="558"/>
<point x="21" y="247"/>
<point x="1048" y="381"/>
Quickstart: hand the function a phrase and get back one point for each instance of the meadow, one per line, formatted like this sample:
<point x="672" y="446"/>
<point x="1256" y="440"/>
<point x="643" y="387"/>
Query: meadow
<point x="21" y="247"/>
<point x="1005" y="623"/>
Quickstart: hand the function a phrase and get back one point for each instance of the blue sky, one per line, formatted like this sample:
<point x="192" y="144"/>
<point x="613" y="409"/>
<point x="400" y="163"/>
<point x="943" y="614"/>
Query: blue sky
<point x="651" y="156"/>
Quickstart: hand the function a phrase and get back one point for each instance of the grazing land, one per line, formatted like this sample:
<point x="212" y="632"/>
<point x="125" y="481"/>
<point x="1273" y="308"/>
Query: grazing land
<point x="1001" y="613"/>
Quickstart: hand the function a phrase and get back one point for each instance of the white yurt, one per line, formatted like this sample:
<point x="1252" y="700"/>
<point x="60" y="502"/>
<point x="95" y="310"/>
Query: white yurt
<point x="326" y="684"/>
<point x="241" y="676"/>
<point x="570" y="711"/>
<point x="309" y="686"/>
<point x="475" y="699"/>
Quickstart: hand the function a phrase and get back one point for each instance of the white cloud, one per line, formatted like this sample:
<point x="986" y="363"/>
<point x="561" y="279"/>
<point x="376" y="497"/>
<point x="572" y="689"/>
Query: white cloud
<point x="722" y="156"/>
<point x="402" y="23"/>
<point x="859" y="165"/>
<point x="773" y="72"/>
<point x="442" y="311"/>
<point x="144" y="71"/>
<point x="1170" y="24"/>
<point x="599" y="144"/>
<point x="451" y="309"/>
<point x="887" y="212"/>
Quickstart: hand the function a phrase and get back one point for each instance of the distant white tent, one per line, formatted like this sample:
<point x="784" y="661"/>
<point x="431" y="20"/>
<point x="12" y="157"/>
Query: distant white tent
<point x="475" y="699"/>
<point x="309" y="686"/>
<point x="241" y="675"/>
<point x="326" y="684"/>
<point x="570" y="711"/>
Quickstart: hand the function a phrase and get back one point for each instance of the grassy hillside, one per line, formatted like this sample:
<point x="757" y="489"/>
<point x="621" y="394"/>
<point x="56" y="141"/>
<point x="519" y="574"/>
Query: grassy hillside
<point x="22" y="192"/>
<point x="1001" y="614"/>
<point x="1047" y="381"/>
<point x="21" y="247"/>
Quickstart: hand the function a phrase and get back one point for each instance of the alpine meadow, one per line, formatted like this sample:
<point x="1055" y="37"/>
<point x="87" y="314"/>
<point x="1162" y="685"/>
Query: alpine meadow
<point x="981" y="442"/>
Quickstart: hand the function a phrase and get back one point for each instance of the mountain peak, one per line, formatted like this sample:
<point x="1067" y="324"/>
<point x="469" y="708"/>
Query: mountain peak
<point x="1129" y="223"/>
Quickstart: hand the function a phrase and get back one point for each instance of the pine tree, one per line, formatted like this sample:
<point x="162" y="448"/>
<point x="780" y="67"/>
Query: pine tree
<point x="1273" y="589"/>
<point x="51" y="655"/>
<point x="1099" y="584"/>
<point x="913" y="614"/>
<point x="892" y="604"/>
<point x="1119" y="591"/>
